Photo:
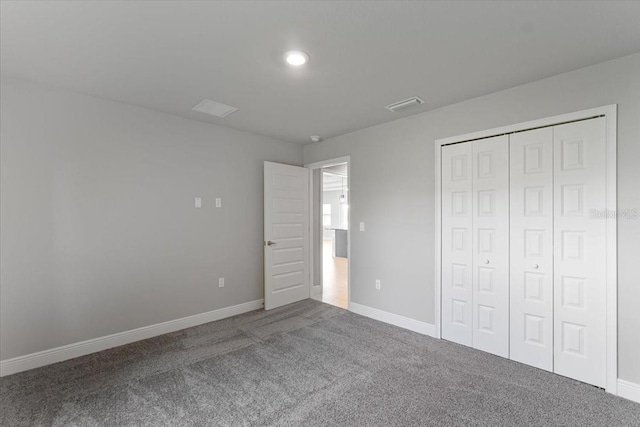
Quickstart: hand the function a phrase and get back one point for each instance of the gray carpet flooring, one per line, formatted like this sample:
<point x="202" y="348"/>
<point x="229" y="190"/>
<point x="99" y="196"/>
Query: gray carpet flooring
<point x="307" y="364"/>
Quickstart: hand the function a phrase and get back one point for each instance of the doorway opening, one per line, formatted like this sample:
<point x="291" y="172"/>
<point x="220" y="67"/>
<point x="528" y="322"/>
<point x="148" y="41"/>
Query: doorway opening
<point x="330" y="220"/>
<point x="335" y="235"/>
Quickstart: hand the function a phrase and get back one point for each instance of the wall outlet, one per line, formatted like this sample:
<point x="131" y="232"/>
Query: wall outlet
<point x="378" y="284"/>
<point x="221" y="282"/>
<point x="362" y="226"/>
<point x="218" y="202"/>
<point x="198" y="202"/>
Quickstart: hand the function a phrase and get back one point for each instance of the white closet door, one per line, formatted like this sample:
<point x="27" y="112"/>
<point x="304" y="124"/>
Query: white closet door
<point x="531" y="328"/>
<point x="580" y="251"/>
<point x="457" y="322"/>
<point x="491" y="245"/>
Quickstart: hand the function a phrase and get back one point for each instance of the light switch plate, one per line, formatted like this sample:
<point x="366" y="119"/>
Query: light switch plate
<point x="218" y="202"/>
<point x="221" y="282"/>
<point x="378" y="285"/>
<point x="362" y="226"/>
<point x="198" y="202"/>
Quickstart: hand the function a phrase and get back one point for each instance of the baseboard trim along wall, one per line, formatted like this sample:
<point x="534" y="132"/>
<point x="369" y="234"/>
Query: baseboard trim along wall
<point x="394" y="319"/>
<point x="626" y="389"/>
<point x="629" y="390"/>
<point x="71" y="351"/>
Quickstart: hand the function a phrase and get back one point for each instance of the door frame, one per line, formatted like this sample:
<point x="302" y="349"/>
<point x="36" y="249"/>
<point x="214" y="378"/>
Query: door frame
<point x="609" y="112"/>
<point x="319" y="165"/>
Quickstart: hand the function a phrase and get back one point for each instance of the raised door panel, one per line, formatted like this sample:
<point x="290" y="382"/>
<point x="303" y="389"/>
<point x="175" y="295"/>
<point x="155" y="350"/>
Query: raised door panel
<point x="456" y="243"/>
<point x="491" y="245"/>
<point x="580" y="251"/>
<point x="531" y="225"/>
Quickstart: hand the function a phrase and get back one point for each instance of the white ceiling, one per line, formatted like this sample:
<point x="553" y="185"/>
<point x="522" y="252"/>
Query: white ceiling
<point x="168" y="56"/>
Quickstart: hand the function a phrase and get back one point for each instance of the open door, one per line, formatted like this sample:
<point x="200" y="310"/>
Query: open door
<point x="286" y="234"/>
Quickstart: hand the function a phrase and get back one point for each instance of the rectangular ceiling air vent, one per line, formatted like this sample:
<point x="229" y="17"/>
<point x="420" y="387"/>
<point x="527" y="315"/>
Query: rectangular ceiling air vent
<point x="396" y="107"/>
<point x="214" y="108"/>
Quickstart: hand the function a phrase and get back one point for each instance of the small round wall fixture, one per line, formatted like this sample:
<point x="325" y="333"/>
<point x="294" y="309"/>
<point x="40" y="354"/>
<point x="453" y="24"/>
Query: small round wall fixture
<point x="316" y="138"/>
<point x="296" y="58"/>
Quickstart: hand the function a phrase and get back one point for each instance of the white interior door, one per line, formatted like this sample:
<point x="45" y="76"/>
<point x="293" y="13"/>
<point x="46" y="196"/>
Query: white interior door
<point x="286" y="234"/>
<point x="457" y="228"/>
<point x="491" y="245"/>
<point x="580" y="250"/>
<point x="531" y="201"/>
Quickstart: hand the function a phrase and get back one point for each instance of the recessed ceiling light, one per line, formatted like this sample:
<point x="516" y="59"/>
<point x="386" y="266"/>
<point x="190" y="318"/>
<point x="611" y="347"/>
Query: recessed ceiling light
<point x="296" y="58"/>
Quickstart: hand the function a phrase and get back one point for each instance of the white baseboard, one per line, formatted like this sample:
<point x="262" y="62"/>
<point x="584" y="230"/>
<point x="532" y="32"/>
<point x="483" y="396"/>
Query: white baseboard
<point x="629" y="390"/>
<point x="71" y="351"/>
<point x="626" y="389"/>
<point x="394" y="319"/>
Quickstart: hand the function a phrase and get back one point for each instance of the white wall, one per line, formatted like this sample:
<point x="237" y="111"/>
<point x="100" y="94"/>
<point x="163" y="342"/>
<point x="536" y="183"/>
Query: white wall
<point x="392" y="188"/>
<point x="99" y="233"/>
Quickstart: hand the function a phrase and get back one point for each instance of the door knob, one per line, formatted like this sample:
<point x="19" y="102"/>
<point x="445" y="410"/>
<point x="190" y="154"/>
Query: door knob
<point x="270" y="243"/>
<point x="535" y="266"/>
<point x="486" y="261"/>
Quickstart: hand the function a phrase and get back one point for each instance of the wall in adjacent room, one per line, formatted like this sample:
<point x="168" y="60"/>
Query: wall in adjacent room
<point x="332" y="197"/>
<point x="392" y="188"/>
<point x="99" y="233"/>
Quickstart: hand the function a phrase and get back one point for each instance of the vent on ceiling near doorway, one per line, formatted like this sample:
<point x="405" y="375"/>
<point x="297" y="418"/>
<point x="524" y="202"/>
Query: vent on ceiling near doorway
<point x="396" y="107"/>
<point x="214" y="108"/>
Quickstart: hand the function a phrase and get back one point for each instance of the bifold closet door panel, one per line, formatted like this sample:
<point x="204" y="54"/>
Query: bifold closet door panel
<point x="491" y="245"/>
<point x="456" y="205"/>
<point x="531" y="223"/>
<point x="580" y="250"/>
